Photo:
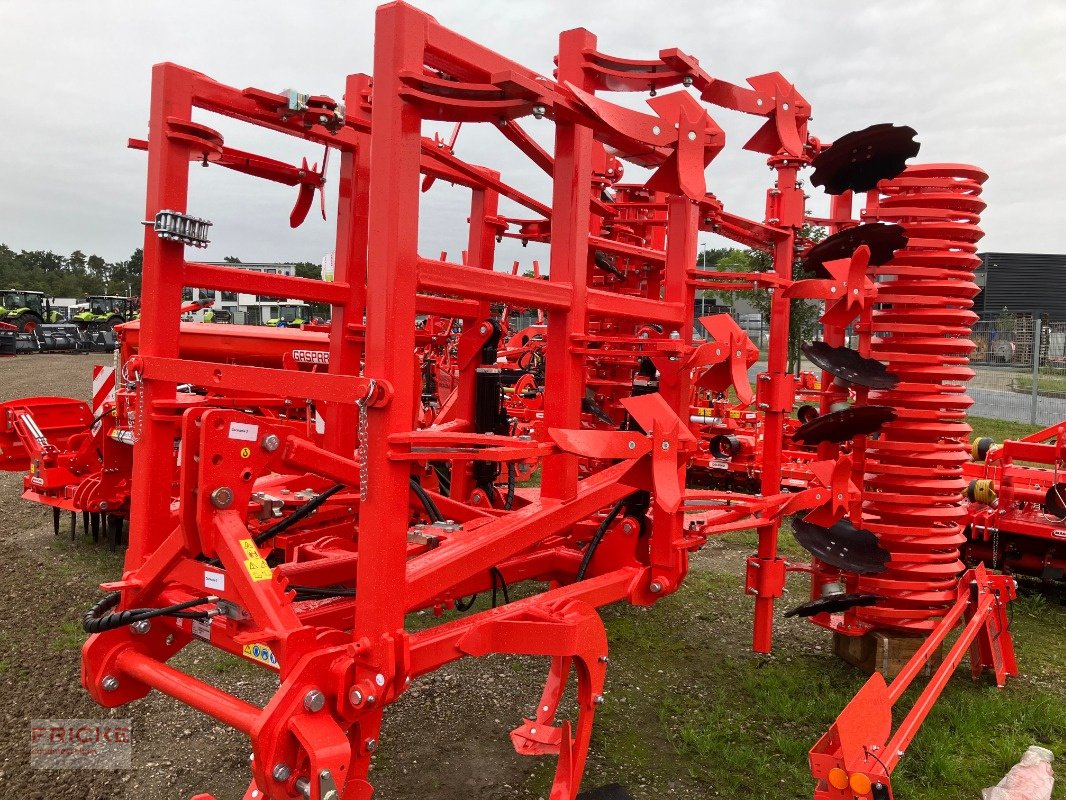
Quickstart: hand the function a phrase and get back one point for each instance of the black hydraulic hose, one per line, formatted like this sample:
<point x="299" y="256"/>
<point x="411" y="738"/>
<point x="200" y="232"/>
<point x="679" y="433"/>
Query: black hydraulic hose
<point x="302" y="513"/>
<point x="320" y="592"/>
<point x="427" y="501"/>
<point x="512" y="473"/>
<point x="498" y="576"/>
<point x="598" y="537"/>
<point x="97" y="620"/>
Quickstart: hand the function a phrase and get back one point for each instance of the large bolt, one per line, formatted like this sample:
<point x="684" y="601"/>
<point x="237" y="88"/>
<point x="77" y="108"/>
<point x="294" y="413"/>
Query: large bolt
<point x="539" y="111"/>
<point x="598" y="699"/>
<point x="222" y="497"/>
<point x="371" y="745"/>
<point x="281" y="772"/>
<point x="271" y="443"/>
<point x="314" y="700"/>
<point x="686" y="81"/>
<point x="356" y="697"/>
<point x="656" y="587"/>
<point x="109" y="683"/>
<point x="141" y="626"/>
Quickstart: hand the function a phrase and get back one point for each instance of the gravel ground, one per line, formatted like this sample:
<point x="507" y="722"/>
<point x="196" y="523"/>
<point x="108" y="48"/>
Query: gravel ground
<point x="447" y="739"/>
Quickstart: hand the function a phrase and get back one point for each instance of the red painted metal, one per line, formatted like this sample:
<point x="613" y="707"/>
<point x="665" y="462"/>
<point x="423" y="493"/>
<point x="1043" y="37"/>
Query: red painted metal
<point x="374" y="461"/>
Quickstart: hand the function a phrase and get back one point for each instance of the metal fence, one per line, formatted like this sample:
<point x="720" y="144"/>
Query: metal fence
<point x="1020" y="366"/>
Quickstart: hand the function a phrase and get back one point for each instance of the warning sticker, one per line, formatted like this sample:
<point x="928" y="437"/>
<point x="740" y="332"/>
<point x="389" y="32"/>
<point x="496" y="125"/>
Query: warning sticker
<point x="243" y="431"/>
<point x="262" y="654"/>
<point x="257" y="567"/>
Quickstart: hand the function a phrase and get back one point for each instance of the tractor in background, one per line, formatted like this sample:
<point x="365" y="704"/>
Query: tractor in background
<point x="103" y="312"/>
<point x="26" y="309"/>
<point x="290" y="315"/>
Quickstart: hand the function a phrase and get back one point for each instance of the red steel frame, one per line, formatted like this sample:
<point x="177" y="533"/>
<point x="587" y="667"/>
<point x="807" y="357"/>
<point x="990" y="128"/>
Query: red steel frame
<point x="341" y="662"/>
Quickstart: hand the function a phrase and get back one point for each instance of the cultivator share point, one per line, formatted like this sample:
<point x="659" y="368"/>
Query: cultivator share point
<point x="292" y="495"/>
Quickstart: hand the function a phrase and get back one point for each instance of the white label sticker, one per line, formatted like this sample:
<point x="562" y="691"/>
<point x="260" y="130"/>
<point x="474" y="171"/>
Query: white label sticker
<point x="215" y="580"/>
<point x="243" y="431"/>
<point x="201" y="628"/>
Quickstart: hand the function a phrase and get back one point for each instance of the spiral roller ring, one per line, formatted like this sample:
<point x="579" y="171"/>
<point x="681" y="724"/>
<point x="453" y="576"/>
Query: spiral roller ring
<point x="921" y="331"/>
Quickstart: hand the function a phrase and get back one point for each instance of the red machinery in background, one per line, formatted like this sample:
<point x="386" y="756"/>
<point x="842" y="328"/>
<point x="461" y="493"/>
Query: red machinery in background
<point x="298" y="493"/>
<point x="1016" y="511"/>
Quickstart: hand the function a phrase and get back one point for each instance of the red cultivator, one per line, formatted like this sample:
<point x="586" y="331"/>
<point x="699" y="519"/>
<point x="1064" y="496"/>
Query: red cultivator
<point x="293" y="495"/>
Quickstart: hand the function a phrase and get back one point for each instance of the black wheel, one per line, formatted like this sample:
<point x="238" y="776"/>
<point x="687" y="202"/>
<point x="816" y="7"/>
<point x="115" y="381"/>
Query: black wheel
<point x="27" y="322"/>
<point x="114" y="321"/>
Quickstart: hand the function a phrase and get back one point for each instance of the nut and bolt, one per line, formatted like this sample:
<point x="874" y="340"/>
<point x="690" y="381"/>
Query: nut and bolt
<point x="686" y="81"/>
<point x="109" y="683"/>
<point x="314" y="700"/>
<point x="141" y="626"/>
<point x="281" y="772"/>
<point x="656" y="587"/>
<point x="222" y="497"/>
<point x="539" y="111"/>
<point x="356" y="697"/>
<point x="271" y="443"/>
<point x="371" y="745"/>
<point x="604" y="660"/>
<point x="598" y="700"/>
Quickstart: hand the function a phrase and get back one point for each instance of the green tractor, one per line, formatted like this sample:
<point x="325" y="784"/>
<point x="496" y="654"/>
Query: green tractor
<point x="26" y="309"/>
<point x="290" y="315"/>
<point x="101" y="312"/>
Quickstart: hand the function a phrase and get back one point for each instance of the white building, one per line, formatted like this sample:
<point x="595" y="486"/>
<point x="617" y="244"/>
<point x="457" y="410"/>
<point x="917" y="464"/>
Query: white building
<point x="247" y="309"/>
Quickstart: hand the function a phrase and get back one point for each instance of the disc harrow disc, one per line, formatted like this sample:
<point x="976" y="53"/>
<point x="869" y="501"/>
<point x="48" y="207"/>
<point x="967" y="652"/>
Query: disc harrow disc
<point x="883" y="239"/>
<point x="859" y="160"/>
<point x="831" y="604"/>
<point x="840" y="426"/>
<point x="843" y="545"/>
<point x="848" y="365"/>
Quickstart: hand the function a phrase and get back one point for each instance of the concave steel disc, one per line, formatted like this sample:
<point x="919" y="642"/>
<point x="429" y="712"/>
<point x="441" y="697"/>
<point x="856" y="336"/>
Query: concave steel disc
<point x="848" y="365"/>
<point x="843" y="425"/>
<point x="857" y="161"/>
<point x="832" y="603"/>
<point x="843" y="546"/>
<point x="883" y="239"/>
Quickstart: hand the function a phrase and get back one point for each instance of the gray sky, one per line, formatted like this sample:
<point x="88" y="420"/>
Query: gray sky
<point x="981" y="81"/>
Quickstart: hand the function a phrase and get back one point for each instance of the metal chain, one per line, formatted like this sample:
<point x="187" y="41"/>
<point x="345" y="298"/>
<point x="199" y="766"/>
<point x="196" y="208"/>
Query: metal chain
<point x="995" y="547"/>
<point x="364" y="440"/>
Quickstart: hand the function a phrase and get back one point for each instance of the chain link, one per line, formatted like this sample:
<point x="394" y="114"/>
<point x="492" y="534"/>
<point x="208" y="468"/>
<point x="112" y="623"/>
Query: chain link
<point x="364" y="441"/>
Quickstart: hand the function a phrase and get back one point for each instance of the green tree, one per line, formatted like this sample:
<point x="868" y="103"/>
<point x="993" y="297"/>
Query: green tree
<point x="804" y="314"/>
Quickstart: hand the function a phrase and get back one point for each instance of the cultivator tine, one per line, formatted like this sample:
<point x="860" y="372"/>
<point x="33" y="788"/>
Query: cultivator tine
<point x="849" y="366"/>
<point x="56" y="513"/>
<point x="842" y="545"/>
<point x="85" y="523"/>
<point x="73" y="525"/>
<point x="840" y="426"/>
<point x="94" y="521"/>
<point x="859" y="160"/>
<point x="831" y="604"/>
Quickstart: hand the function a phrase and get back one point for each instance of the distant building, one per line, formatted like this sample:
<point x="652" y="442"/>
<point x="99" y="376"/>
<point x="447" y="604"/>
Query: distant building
<point x="1022" y="283"/>
<point x="247" y="309"/>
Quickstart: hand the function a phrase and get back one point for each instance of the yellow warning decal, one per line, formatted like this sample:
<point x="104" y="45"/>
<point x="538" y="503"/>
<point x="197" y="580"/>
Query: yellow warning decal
<point x="257" y="568"/>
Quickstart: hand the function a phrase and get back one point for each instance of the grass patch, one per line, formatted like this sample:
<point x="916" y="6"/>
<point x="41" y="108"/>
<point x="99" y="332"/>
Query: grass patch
<point x="690" y="709"/>
<point x="70" y="636"/>
<point x="999" y="429"/>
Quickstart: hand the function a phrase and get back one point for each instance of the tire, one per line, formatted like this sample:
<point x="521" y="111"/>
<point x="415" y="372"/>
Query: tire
<point x="27" y="322"/>
<point x="114" y="321"/>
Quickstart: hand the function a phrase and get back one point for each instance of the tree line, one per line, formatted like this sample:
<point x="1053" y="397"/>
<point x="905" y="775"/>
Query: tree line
<point x="79" y="275"/>
<point x="76" y="275"/>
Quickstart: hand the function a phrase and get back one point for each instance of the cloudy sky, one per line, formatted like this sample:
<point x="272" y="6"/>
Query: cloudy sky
<point x="981" y="81"/>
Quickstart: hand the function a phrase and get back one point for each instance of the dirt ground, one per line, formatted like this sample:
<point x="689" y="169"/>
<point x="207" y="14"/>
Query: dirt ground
<point x="446" y="740"/>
